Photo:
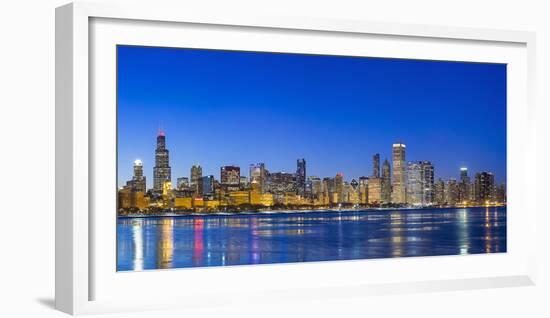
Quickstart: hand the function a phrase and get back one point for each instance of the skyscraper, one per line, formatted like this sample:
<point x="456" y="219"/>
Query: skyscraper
<point x="258" y="175"/>
<point x="451" y="192"/>
<point x="399" y="186"/>
<point x="301" y="177"/>
<point x="364" y="189"/>
<point x="281" y="182"/>
<point x="196" y="179"/>
<point x="464" y="185"/>
<point x="182" y="183"/>
<point x="316" y="187"/>
<point x="376" y="166"/>
<point x="339" y="187"/>
<point x="207" y="185"/>
<point x="440" y="192"/>
<point x="484" y="186"/>
<point x="162" y="171"/>
<point x="415" y="185"/>
<point x="428" y="191"/>
<point x="386" y="182"/>
<point x="230" y="177"/>
<point x="138" y="180"/>
<point x="374" y="189"/>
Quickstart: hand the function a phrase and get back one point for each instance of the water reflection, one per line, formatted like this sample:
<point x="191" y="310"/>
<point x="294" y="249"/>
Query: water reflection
<point x="216" y="240"/>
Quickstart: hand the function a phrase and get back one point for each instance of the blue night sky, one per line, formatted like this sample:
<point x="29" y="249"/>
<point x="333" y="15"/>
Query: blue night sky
<point x="227" y="107"/>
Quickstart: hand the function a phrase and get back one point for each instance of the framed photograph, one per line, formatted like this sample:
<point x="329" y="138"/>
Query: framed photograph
<point x="261" y="157"/>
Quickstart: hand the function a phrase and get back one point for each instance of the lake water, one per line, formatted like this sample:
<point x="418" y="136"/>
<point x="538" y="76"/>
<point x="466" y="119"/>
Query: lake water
<point x="217" y="240"/>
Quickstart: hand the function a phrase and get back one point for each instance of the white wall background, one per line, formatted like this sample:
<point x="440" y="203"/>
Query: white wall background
<point x="27" y="157"/>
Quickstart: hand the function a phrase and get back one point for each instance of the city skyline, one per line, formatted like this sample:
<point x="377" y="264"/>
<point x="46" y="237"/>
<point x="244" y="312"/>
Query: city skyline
<point x="239" y="129"/>
<point x="245" y="172"/>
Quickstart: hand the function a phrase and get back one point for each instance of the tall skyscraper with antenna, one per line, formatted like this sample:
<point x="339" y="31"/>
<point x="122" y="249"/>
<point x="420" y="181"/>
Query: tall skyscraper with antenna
<point x="162" y="171"/>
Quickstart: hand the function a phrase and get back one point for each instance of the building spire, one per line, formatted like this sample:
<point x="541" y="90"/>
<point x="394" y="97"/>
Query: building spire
<point x="160" y="130"/>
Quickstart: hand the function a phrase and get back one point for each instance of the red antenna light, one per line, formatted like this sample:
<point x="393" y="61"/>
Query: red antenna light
<point x="161" y="131"/>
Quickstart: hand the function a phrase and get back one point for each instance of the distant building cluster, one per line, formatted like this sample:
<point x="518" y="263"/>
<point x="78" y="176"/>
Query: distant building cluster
<point x="401" y="184"/>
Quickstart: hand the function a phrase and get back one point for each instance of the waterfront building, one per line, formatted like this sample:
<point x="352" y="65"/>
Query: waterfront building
<point x="182" y="183"/>
<point x="440" y="192"/>
<point x="129" y="198"/>
<point x="501" y="193"/>
<point x="162" y="171"/>
<point x="211" y="204"/>
<point x="258" y="174"/>
<point x="258" y="198"/>
<point x="354" y="196"/>
<point x="451" y="192"/>
<point x="428" y="190"/>
<point x="301" y="177"/>
<point x="138" y="179"/>
<point x="374" y="190"/>
<point x="280" y="182"/>
<point x="338" y="188"/>
<point x="464" y="186"/>
<point x="208" y="185"/>
<point x="167" y="194"/>
<point x="484" y="186"/>
<point x="415" y="185"/>
<point x="328" y="188"/>
<point x="363" y="190"/>
<point x="184" y="203"/>
<point x="196" y="179"/>
<point x="376" y="166"/>
<point x="386" y="182"/>
<point x="346" y="190"/>
<point x="230" y="178"/>
<point x="244" y="184"/>
<point x="399" y="180"/>
<point x="239" y="197"/>
<point x="316" y="187"/>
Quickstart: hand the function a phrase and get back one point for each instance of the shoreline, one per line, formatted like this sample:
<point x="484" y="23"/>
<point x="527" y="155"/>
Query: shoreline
<point x="268" y="212"/>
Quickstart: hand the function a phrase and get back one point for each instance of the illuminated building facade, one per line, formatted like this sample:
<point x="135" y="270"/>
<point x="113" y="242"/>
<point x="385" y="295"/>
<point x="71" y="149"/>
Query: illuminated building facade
<point x="484" y="186"/>
<point x="439" y="192"/>
<point x="375" y="190"/>
<point x="244" y="184"/>
<point x="129" y="198"/>
<point x="208" y="185"/>
<point x="196" y="179"/>
<point x="162" y="171"/>
<point x="230" y="178"/>
<point x="182" y="183"/>
<point x="464" y="185"/>
<point x="301" y="177"/>
<point x="428" y="182"/>
<point x="138" y="179"/>
<point x="280" y="182"/>
<point x="386" y="182"/>
<point x="451" y="192"/>
<point x="316" y="187"/>
<point x="415" y="185"/>
<point x="399" y="180"/>
<point x="258" y="175"/>
<point x="364" y="190"/>
<point x="338" y="188"/>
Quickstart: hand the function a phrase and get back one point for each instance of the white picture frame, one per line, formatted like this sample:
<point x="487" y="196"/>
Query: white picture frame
<point x="77" y="181"/>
